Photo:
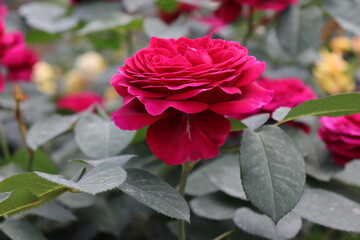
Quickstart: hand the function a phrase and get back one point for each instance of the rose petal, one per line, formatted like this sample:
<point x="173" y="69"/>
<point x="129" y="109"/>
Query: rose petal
<point x="133" y="116"/>
<point x="157" y="106"/>
<point x="187" y="137"/>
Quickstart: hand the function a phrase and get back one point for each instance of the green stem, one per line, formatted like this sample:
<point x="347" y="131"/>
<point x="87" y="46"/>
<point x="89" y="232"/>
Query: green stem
<point x="225" y="234"/>
<point x="4" y="145"/>
<point x="250" y="27"/>
<point x="186" y="169"/>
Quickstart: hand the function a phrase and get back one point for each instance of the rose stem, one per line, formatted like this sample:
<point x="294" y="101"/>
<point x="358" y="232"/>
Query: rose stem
<point x="250" y="26"/>
<point x="186" y="169"/>
<point x="19" y="97"/>
<point x="4" y="145"/>
<point x="226" y="234"/>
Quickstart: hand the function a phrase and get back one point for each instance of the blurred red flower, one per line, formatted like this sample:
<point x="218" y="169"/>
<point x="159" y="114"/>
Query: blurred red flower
<point x="276" y="5"/>
<point x="342" y="137"/>
<point x="79" y="101"/>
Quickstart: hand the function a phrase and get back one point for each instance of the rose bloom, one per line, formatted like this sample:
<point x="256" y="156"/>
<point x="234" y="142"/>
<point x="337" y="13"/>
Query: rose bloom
<point x="276" y="5"/>
<point x="288" y="92"/>
<point x="183" y="89"/>
<point x="170" y="17"/>
<point x="19" y="61"/>
<point x="79" y="101"/>
<point x="342" y="137"/>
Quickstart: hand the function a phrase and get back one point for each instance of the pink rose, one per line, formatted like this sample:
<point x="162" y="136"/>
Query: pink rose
<point x="183" y="88"/>
<point x="288" y="92"/>
<point x="170" y="17"/>
<point x="228" y="11"/>
<point x="19" y="61"/>
<point x="276" y="5"/>
<point x="342" y="137"/>
<point x="79" y="101"/>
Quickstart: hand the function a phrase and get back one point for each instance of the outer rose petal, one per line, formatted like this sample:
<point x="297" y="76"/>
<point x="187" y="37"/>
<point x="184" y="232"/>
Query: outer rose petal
<point x="253" y="98"/>
<point x="188" y="137"/>
<point x="158" y="106"/>
<point x="133" y="116"/>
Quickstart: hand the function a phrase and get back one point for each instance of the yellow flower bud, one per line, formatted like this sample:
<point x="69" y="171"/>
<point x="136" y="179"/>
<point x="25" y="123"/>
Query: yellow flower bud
<point x="333" y="74"/>
<point x="44" y="77"/>
<point x="73" y="82"/>
<point x="90" y="65"/>
<point x="340" y="44"/>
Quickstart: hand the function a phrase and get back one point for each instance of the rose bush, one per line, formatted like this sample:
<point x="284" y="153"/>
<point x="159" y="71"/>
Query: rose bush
<point x="342" y="137"/>
<point x="183" y="89"/>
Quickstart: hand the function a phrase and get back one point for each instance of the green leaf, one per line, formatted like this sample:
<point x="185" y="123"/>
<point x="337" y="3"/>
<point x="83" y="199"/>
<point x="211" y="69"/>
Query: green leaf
<point x="329" y="209"/>
<point x="155" y="193"/>
<point x="167" y="5"/>
<point x="198" y="183"/>
<point x="215" y="206"/>
<point x="41" y="161"/>
<point x="299" y="29"/>
<point x="53" y="211"/>
<point x="236" y="125"/>
<point x="100" y="138"/>
<point x="49" y="128"/>
<point x="316" y="155"/>
<point x="47" y="17"/>
<point x="227" y="178"/>
<point x="332" y="106"/>
<point x="350" y="174"/>
<point x="280" y="113"/>
<point x="346" y="13"/>
<point x="21" y="230"/>
<point x="256" y="121"/>
<point x="104" y="177"/>
<point x="118" y="160"/>
<point x="27" y="191"/>
<point x="107" y="22"/>
<point x="262" y="226"/>
<point x="272" y="170"/>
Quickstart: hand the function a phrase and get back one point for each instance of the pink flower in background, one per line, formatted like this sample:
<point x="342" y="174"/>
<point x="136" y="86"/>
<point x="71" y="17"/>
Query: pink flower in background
<point x="276" y="5"/>
<point x="19" y="61"/>
<point x="170" y="17"/>
<point x="2" y="83"/>
<point x="79" y="101"/>
<point x="183" y="89"/>
<point x="288" y="92"/>
<point x="342" y="136"/>
<point x="228" y="11"/>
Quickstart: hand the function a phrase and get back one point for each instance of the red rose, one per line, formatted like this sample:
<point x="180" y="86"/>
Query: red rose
<point x="183" y="88"/>
<point x="228" y="11"/>
<point x="79" y="101"/>
<point x="170" y="17"/>
<point x="19" y="61"/>
<point x="277" y="5"/>
<point x="288" y="92"/>
<point x="342" y="136"/>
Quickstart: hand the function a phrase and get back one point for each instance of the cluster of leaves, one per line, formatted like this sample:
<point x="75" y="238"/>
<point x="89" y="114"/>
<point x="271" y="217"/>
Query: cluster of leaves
<point x="260" y="192"/>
